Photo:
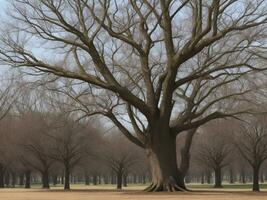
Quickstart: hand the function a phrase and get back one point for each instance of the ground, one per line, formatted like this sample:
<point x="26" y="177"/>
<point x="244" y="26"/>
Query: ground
<point x="131" y="193"/>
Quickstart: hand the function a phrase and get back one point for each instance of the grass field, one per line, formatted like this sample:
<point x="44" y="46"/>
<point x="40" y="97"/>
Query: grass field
<point x="131" y="193"/>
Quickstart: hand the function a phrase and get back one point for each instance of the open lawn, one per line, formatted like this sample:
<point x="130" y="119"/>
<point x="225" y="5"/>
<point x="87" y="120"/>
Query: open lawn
<point x="131" y="193"/>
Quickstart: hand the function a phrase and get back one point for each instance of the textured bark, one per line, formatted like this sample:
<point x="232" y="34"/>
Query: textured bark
<point x="163" y="163"/>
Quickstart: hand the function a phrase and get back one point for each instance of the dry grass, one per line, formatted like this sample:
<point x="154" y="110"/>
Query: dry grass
<point x="134" y="193"/>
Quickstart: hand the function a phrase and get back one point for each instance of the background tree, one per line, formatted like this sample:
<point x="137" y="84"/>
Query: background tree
<point x="251" y="142"/>
<point x="214" y="149"/>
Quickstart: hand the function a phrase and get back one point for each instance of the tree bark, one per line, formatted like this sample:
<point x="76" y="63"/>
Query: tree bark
<point x="256" y="186"/>
<point x="163" y="163"/>
<point x="119" y="180"/>
<point x="67" y="178"/>
<point x="45" y="180"/>
<point x="2" y="175"/>
<point x="28" y="179"/>
<point x="218" y="178"/>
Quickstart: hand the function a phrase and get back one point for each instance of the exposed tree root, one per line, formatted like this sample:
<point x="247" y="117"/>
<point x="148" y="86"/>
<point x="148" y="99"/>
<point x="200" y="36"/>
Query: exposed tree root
<point x="170" y="186"/>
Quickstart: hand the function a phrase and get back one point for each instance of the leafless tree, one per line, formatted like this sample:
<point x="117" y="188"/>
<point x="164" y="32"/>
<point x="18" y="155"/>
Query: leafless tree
<point x="162" y="60"/>
<point x="251" y="142"/>
<point x="214" y="149"/>
<point x="69" y="142"/>
<point x="120" y="156"/>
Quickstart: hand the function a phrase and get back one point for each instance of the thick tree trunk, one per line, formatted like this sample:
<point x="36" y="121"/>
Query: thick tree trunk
<point x="163" y="163"/>
<point x="45" y="180"/>
<point x="119" y="180"/>
<point x="218" y="178"/>
<point x="67" y="178"/>
<point x="28" y="179"/>
<point x="256" y="186"/>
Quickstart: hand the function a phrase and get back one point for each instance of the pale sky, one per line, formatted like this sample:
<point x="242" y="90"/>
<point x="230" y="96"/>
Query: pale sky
<point x="3" y="4"/>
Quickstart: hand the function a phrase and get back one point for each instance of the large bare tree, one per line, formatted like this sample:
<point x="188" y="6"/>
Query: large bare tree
<point x="163" y="61"/>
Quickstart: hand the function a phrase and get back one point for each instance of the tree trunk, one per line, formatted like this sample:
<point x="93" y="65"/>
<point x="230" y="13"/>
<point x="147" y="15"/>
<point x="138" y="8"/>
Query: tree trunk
<point x="119" y="180"/>
<point x="13" y="179"/>
<point x="2" y="175"/>
<point x="55" y="179"/>
<point x="94" y="179"/>
<point x="87" y="178"/>
<point x="163" y="163"/>
<point x="262" y="177"/>
<point x="21" y="179"/>
<point x="231" y="176"/>
<point x="113" y="180"/>
<point x="208" y="177"/>
<point x="7" y="179"/>
<point x="144" y="179"/>
<point x="256" y="187"/>
<point x="45" y="180"/>
<point x="62" y="179"/>
<point x="218" y="178"/>
<point x="28" y="179"/>
<point x="125" y="180"/>
<point x="202" y="178"/>
<point x="67" y="178"/>
<point x="243" y="176"/>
